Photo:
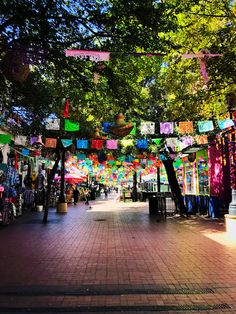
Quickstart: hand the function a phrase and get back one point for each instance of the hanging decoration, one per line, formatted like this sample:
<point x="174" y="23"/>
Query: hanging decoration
<point x="121" y="128"/>
<point x="20" y="140"/>
<point x="92" y="55"/>
<point x="166" y="127"/>
<point x="14" y="67"/>
<point x="97" y="135"/>
<point x="53" y="124"/>
<point x="71" y="126"/>
<point x="147" y="127"/>
<point x="51" y="142"/>
<point x="202" y="57"/>
<point x="205" y="126"/>
<point x="201" y="139"/>
<point x="224" y="124"/>
<point x="185" y="127"/>
<point x="142" y="143"/>
<point x="112" y="144"/>
<point x="97" y="144"/>
<point x="66" y="142"/>
<point x="66" y="109"/>
<point x="82" y="144"/>
<point x="5" y="138"/>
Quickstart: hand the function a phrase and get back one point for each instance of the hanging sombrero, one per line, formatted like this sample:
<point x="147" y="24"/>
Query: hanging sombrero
<point x="97" y="135"/>
<point x="121" y="128"/>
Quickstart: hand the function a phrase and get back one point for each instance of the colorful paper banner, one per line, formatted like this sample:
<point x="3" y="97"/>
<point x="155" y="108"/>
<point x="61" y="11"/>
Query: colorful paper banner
<point x="147" y="127"/>
<point x="51" y="142"/>
<point x="224" y="124"/>
<point x="205" y="126"/>
<point x="66" y="142"/>
<point x="185" y="127"/>
<point x="82" y="144"/>
<point x="71" y="126"/>
<point x="166" y="127"/>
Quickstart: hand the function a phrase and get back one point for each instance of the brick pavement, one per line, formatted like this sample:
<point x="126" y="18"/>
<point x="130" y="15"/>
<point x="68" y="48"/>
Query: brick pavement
<point x="116" y="258"/>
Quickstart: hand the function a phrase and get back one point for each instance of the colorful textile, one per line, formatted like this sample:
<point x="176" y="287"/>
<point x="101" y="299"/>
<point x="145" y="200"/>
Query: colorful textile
<point x="82" y="144"/>
<point x="166" y="127"/>
<point x="66" y="142"/>
<point x="93" y="55"/>
<point x="25" y="152"/>
<point x="5" y="138"/>
<point x="205" y="126"/>
<point x="127" y="143"/>
<point x="53" y="124"/>
<point x="142" y="143"/>
<point x="20" y="140"/>
<point x="97" y="144"/>
<point x="71" y="126"/>
<point x="51" y="142"/>
<point x="112" y="144"/>
<point x="224" y="124"/>
<point x="172" y="141"/>
<point x="201" y="139"/>
<point x="186" y="127"/>
<point x="33" y="139"/>
<point x="147" y="127"/>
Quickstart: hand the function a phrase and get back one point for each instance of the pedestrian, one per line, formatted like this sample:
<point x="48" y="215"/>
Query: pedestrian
<point x="29" y="198"/>
<point x="75" y="195"/>
<point x="87" y="195"/>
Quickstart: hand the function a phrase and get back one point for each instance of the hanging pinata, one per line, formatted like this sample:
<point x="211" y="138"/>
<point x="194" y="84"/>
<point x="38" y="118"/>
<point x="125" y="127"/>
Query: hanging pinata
<point x="121" y="128"/>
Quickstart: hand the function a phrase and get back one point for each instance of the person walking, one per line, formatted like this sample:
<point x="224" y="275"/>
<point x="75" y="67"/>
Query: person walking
<point x="75" y="195"/>
<point x="87" y="195"/>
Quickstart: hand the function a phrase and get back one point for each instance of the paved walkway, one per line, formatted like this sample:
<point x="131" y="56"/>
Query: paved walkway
<point x="115" y="258"/>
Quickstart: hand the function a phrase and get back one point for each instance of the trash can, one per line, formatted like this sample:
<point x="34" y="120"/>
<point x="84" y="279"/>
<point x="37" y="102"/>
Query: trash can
<point x="153" y="205"/>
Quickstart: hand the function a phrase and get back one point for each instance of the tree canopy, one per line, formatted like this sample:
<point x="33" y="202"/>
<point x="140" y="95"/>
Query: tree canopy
<point x="153" y="88"/>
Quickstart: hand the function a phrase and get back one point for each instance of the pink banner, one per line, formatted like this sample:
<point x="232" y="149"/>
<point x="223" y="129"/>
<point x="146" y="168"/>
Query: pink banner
<point x="91" y="54"/>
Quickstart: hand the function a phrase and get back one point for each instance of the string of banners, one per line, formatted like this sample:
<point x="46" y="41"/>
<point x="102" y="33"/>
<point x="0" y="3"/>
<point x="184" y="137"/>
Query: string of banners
<point x="148" y="127"/>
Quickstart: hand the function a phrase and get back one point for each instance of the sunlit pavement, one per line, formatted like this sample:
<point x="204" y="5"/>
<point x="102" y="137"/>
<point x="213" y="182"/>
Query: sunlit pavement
<point x="113" y="258"/>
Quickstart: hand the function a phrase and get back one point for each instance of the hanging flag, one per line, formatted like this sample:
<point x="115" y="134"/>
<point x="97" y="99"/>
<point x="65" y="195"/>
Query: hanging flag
<point x="53" y="124"/>
<point x="127" y="143"/>
<point x="82" y="144"/>
<point x="224" y="124"/>
<point x="157" y="141"/>
<point x="5" y="138"/>
<point x="112" y="144"/>
<point x="142" y="143"/>
<point x="20" y="140"/>
<point x="66" y="109"/>
<point x="224" y="116"/>
<point x="66" y="142"/>
<point x="92" y="55"/>
<point x="166" y="127"/>
<point x="147" y="127"/>
<point x="186" y="127"/>
<point x="205" y="126"/>
<point x="186" y="141"/>
<point x="51" y="142"/>
<point x="71" y="126"/>
<point x="201" y="139"/>
<point x="133" y="132"/>
<point x="97" y="144"/>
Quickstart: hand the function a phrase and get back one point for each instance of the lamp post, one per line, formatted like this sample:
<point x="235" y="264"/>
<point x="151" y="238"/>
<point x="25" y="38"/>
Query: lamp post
<point x="230" y="218"/>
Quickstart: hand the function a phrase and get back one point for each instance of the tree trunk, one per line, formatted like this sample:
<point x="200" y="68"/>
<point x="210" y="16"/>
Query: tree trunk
<point x="134" y="192"/>
<point x="62" y="188"/>
<point x="49" y="185"/>
<point x="174" y="186"/>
